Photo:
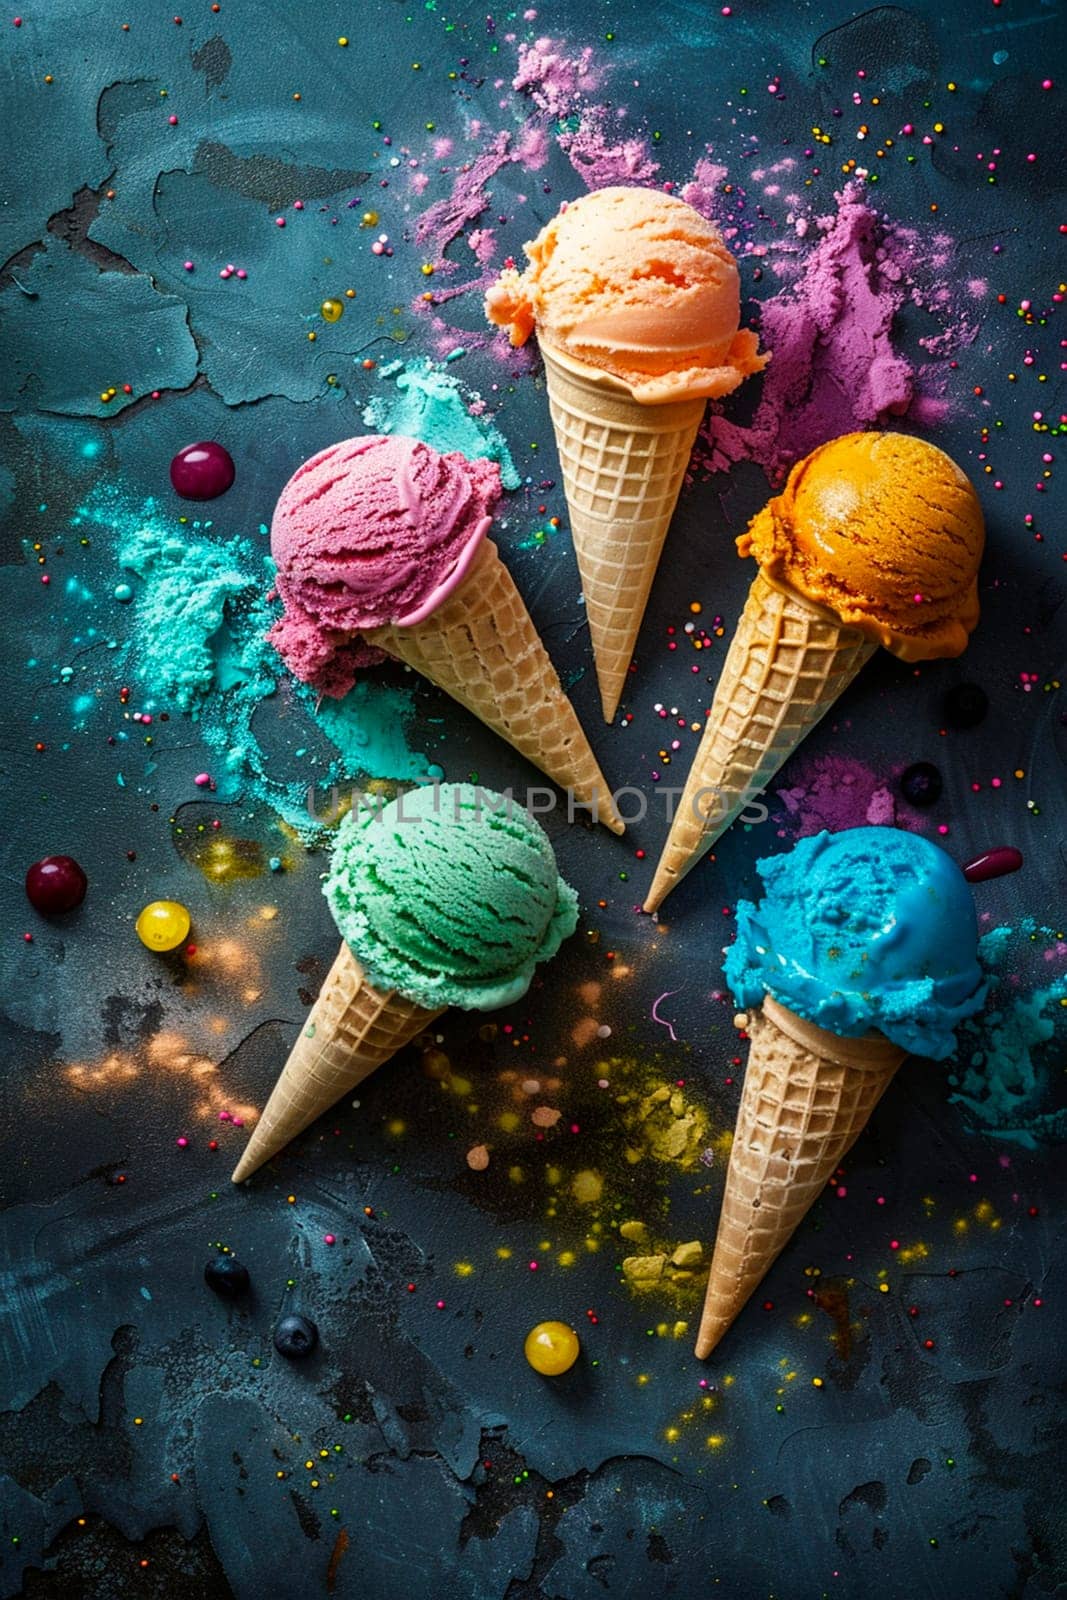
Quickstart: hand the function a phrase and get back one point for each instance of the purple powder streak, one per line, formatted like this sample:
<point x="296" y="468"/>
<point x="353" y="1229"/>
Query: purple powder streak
<point x="831" y="791"/>
<point x="552" y="79"/>
<point x="666" y="995"/>
<point x="442" y="221"/>
<point x="833" y="367"/>
<point x="600" y="158"/>
<point x="555" y="85"/>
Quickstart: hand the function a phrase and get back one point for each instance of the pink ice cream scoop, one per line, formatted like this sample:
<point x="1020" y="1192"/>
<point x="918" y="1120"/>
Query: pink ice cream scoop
<point x="373" y="531"/>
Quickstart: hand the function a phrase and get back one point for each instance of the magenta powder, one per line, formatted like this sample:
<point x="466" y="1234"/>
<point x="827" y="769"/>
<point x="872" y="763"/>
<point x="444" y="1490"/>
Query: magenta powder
<point x="553" y="79"/>
<point x="833" y="367"/>
<point x="440" y="223"/>
<point x="830" y="791"/>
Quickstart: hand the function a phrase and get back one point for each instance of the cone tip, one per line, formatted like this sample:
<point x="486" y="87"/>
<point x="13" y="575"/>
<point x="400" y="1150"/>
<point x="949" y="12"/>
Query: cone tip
<point x="611" y="681"/>
<point x="661" y="888"/>
<point x="244" y="1168"/>
<point x="708" y="1337"/>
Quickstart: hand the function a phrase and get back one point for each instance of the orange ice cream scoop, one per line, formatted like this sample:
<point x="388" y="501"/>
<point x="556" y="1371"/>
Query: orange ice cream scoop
<point x="884" y="530"/>
<point x="639" y="284"/>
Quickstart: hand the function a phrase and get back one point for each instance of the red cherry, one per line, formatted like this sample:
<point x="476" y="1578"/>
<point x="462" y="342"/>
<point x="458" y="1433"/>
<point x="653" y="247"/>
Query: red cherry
<point x="55" y="884"/>
<point x="202" y="471"/>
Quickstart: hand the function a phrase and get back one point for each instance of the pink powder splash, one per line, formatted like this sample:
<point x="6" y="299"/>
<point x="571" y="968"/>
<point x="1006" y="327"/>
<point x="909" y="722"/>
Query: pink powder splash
<point x="833" y="792"/>
<point x="703" y="191"/>
<point x="483" y="243"/>
<point x="443" y="221"/>
<point x="602" y="155"/>
<point x="553" y="79"/>
<point x="836" y="792"/>
<point x="833" y="366"/>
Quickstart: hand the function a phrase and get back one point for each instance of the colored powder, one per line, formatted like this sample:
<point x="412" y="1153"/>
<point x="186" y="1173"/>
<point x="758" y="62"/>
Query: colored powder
<point x="832" y="792"/>
<point x="183" y="610"/>
<point x="589" y="135"/>
<point x="666" y="1126"/>
<point x="443" y="221"/>
<point x="198" y="641"/>
<point x="1009" y="1049"/>
<point x="703" y="191"/>
<point x="833" y="367"/>
<point x="552" y="79"/>
<point x="367" y="728"/>
<point x="601" y="154"/>
<point x="660" y="1264"/>
<point x="433" y="406"/>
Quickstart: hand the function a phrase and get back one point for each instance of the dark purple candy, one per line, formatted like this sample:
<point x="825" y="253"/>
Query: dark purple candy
<point x="55" y="884"/>
<point x="202" y="471"/>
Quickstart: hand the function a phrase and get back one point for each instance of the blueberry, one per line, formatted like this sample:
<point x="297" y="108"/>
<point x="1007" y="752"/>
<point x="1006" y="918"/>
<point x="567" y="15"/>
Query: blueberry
<point x="227" y="1277"/>
<point x="295" y="1337"/>
<point x="921" y="784"/>
<point x="965" y="705"/>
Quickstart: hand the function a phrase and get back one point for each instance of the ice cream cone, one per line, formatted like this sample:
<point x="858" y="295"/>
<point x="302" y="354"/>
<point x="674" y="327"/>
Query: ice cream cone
<point x="481" y="647"/>
<point x="623" y="463"/>
<point x="352" y="1029"/>
<point x="807" y="1097"/>
<point x="787" y="664"/>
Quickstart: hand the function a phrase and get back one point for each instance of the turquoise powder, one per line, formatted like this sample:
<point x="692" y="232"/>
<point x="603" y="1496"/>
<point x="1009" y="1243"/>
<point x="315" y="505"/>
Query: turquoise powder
<point x="433" y="406"/>
<point x="1008" y="1050"/>
<point x="198" y="642"/>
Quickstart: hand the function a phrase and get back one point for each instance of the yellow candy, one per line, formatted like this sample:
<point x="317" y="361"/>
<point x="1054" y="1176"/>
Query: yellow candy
<point x="332" y="310"/>
<point x="552" y="1348"/>
<point x="163" y="925"/>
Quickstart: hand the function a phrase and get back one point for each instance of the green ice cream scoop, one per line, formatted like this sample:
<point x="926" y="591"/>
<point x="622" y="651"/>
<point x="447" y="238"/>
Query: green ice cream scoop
<point x="450" y="894"/>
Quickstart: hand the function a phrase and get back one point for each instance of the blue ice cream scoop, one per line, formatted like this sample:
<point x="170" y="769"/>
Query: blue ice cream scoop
<point x="868" y="929"/>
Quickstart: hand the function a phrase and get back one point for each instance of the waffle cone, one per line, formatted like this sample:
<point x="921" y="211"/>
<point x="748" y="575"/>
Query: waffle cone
<point x="787" y="664"/>
<point x="481" y="647"/>
<point x="808" y="1096"/>
<point x="352" y="1029"/>
<point x="623" y="465"/>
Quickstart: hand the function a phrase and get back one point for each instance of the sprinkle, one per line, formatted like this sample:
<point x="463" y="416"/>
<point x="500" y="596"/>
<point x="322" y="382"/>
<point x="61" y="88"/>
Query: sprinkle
<point x="662" y="1020"/>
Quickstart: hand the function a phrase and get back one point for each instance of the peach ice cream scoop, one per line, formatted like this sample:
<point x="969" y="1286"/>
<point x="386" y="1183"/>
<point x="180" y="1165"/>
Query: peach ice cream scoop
<point x="638" y="284"/>
<point x="885" y="531"/>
